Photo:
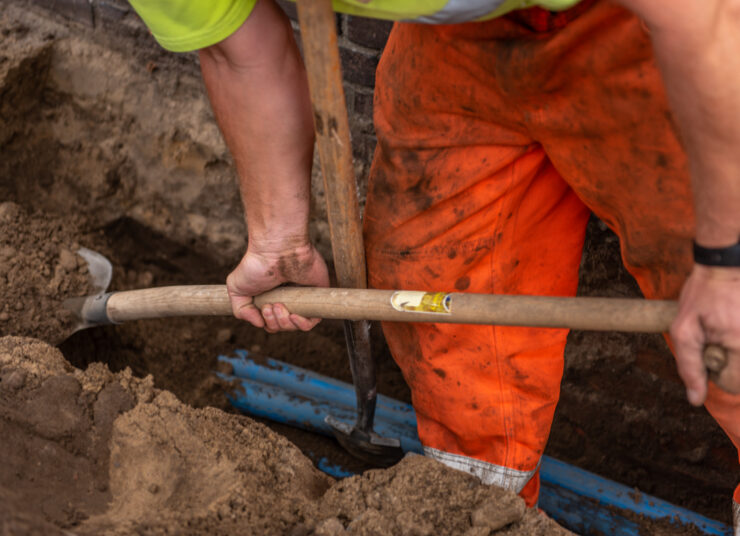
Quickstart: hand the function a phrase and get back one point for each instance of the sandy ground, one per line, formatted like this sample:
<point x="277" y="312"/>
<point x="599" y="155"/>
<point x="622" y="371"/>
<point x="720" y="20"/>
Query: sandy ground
<point x="36" y="275"/>
<point x="94" y="452"/>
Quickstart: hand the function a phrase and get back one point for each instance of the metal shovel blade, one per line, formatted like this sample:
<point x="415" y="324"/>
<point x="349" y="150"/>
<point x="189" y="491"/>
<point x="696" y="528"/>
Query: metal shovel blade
<point x="99" y="267"/>
<point x="101" y="272"/>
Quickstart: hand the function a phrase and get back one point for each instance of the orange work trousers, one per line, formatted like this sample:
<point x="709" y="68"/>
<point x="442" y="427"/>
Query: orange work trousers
<point x="495" y="143"/>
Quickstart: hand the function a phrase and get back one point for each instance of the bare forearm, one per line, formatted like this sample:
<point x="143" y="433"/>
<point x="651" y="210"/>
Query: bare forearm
<point x="697" y="45"/>
<point x="258" y="90"/>
<point x="259" y="93"/>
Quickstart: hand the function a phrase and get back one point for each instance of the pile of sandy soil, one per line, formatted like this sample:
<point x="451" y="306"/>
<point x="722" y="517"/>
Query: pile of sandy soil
<point x="92" y="452"/>
<point x="38" y="270"/>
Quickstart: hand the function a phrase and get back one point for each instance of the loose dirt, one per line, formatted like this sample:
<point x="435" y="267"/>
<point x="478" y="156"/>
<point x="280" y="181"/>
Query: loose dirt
<point x="94" y="452"/>
<point x="38" y="270"/>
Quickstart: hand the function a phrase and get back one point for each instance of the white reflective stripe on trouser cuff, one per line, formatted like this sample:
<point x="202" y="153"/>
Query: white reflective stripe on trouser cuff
<point x="736" y="517"/>
<point x="456" y="11"/>
<point x="489" y="473"/>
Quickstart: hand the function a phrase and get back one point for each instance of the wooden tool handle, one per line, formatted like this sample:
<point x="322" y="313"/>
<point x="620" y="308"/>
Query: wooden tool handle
<point x="599" y="314"/>
<point x="159" y="302"/>
<point x="594" y="314"/>
<point x="318" y="32"/>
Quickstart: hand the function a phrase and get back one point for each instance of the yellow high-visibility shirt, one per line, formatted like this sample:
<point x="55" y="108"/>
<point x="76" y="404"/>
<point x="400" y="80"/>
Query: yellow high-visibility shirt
<point x="184" y="25"/>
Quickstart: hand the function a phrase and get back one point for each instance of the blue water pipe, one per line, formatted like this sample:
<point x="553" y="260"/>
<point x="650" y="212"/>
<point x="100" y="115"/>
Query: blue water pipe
<point x="312" y="385"/>
<point x="582" y="501"/>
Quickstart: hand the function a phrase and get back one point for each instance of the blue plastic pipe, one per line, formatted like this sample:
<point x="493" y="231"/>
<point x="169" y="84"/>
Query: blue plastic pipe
<point x="589" y="504"/>
<point x="307" y="383"/>
<point x="582" y="501"/>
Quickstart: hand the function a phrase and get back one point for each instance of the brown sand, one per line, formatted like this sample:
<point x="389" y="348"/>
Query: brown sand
<point x="38" y="270"/>
<point x="100" y="453"/>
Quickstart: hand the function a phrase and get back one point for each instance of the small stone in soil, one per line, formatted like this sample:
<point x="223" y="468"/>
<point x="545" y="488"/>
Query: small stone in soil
<point x="68" y="260"/>
<point x="224" y="335"/>
<point x="497" y="514"/>
<point x="145" y="279"/>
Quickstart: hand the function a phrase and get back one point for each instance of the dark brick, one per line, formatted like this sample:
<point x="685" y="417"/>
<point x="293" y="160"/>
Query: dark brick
<point x="363" y="104"/>
<point x="371" y="33"/>
<point x="79" y="10"/>
<point x="289" y="8"/>
<point x="363" y="146"/>
<point x="112" y="11"/>
<point x="358" y="67"/>
<point x="349" y="97"/>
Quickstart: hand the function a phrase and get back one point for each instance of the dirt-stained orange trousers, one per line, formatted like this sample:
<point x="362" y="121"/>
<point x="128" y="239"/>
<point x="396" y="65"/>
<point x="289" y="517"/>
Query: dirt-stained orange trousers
<point x="494" y="145"/>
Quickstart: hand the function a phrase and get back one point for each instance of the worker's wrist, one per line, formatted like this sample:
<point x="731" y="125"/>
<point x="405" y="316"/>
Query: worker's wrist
<point x="279" y="246"/>
<point x="717" y="274"/>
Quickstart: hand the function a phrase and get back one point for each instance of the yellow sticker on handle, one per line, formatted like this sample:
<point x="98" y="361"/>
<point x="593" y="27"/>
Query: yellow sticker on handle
<point x="421" y="302"/>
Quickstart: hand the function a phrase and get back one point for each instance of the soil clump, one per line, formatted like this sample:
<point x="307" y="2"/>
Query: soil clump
<point x="38" y="270"/>
<point x="96" y="452"/>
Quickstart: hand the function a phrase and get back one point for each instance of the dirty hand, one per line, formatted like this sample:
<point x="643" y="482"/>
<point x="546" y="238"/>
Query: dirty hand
<point x="261" y="270"/>
<point x="709" y="313"/>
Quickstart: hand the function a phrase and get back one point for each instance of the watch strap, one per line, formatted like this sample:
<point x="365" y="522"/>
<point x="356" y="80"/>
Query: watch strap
<point x="729" y="256"/>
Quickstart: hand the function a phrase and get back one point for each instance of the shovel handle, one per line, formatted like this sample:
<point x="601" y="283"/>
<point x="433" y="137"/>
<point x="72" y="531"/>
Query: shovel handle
<point x="594" y="314"/>
<point x="161" y="302"/>
<point x="590" y="314"/>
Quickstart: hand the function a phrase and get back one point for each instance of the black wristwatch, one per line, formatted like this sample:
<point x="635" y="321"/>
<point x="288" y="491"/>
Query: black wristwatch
<point x="729" y="256"/>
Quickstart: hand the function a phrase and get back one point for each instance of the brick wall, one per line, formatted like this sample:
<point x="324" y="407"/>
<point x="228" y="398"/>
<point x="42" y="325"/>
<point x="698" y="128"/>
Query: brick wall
<point x="108" y="15"/>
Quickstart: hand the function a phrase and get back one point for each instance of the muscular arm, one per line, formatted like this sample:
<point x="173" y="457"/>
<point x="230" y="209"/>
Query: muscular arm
<point x="258" y="90"/>
<point x="697" y="45"/>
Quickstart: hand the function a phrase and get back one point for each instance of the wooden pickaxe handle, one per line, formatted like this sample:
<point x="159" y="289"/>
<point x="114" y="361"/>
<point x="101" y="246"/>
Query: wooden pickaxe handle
<point x="321" y="55"/>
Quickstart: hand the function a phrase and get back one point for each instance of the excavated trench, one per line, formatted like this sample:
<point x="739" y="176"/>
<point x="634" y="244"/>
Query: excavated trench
<point x="117" y="151"/>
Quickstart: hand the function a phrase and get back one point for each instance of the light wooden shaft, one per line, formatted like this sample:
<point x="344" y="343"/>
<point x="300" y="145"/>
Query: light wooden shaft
<point x="599" y="314"/>
<point x="318" y="34"/>
<point x="595" y="314"/>
<point x="159" y="302"/>
<point x="321" y="54"/>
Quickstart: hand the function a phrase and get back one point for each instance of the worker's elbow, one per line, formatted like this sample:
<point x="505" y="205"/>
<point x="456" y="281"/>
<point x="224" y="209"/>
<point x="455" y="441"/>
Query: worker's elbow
<point x="688" y="19"/>
<point x="261" y="40"/>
